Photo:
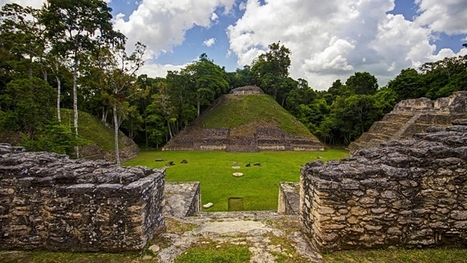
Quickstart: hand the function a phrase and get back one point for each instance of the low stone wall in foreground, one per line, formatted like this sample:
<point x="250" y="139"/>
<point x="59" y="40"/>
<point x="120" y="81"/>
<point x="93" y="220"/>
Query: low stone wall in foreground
<point x="409" y="193"/>
<point x="182" y="199"/>
<point x="289" y="198"/>
<point x="48" y="201"/>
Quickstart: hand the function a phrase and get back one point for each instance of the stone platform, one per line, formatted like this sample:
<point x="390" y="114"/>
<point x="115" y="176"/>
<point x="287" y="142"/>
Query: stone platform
<point x="267" y="234"/>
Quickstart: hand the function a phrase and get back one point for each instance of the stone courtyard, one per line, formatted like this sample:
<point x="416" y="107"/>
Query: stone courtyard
<point x="267" y="234"/>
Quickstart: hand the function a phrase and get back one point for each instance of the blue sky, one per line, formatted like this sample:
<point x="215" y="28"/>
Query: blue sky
<point x="329" y="40"/>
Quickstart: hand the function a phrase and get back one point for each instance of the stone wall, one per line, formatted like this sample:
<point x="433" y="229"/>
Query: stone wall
<point x="289" y="199"/>
<point x="182" y="199"/>
<point x="247" y="90"/>
<point x="410" y="193"/>
<point x="48" y="201"/>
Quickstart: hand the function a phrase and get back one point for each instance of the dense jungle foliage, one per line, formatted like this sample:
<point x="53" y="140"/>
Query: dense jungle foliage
<point x="67" y="55"/>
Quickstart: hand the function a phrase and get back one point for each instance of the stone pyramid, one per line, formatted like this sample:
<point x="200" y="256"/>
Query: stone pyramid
<point x="252" y="136"/>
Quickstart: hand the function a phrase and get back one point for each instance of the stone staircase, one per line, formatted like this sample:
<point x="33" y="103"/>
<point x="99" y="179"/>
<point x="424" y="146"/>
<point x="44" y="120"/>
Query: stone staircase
<point x="381" y="131"/>
<point x="251" y="138"/>
<point x="413" y="116"/>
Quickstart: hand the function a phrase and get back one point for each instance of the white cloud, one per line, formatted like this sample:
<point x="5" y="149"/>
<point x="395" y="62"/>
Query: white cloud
<point x="214" y="17"/>
<point x="328" y="39"/>
<point x="161" y="25"/>
<point x="242" y="6"/>
<point x="443" y="16"/>
<point x="209" y="42"/>
<point x="332" y="39"/>
<point x="333" y="57"/>
<point x="156" y="70"/>
<point x="32" y="3"/>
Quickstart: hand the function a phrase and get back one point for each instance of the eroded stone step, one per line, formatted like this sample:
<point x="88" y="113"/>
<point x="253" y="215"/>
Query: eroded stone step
<point x="239" y="215"/>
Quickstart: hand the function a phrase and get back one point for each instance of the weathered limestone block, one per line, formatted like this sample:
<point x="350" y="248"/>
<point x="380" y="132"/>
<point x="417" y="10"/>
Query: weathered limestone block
<point x="182" y="199"/>
<point x="51" y="202"/>
<point x="289" y="198"/>
<point x="408" y="193"/>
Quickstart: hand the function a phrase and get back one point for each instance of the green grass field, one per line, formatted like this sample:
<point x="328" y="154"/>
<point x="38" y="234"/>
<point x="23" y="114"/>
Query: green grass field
<point x="260" y="108"/>
<point x="259" y="186"/>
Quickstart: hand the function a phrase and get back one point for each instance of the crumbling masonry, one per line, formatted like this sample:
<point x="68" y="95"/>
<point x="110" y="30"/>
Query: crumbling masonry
<point x="410" y="193"/>
<point x="48" y="201"/>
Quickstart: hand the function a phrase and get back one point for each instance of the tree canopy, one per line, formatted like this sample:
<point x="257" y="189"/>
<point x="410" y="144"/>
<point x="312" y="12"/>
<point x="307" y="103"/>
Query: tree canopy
<point x="76" y="44"/>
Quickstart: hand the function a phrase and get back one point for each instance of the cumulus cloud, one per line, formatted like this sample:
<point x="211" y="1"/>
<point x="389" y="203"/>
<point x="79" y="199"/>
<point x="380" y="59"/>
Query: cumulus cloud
<point x="214" y="17"/>
<point x="155" y="70"/>
<point x="329" y="40"/>
<point x="443" y="16"/>
<point x="209" y="42"/>
<point x="31" y="3"/>
<point x="333" y="39"/>
<point x="161" y="25"/>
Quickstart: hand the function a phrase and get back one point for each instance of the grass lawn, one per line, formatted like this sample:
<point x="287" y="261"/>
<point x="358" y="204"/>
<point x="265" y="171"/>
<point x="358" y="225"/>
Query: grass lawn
<point x="432" y="255"/>
<point x="259" y="186"/>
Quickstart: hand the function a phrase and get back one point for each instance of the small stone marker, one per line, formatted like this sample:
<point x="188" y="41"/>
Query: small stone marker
<point x="184" y="162"/>
<point x="237" y="174"/>
<point x="154" y="248"/>
<point x="208" y="205"/>
<point x="159" y="160"/>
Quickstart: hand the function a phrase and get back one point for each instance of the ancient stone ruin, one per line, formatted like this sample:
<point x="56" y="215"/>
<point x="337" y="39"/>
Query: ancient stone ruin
<point x="289" y="198"/>
<point x="247" y="90"/>
<point x="407" y="193"/>
<point x="253" y="137"/>
<point x="48" y="201"/>
<point x="182" y="199"/>
<point x="413" y="116"/>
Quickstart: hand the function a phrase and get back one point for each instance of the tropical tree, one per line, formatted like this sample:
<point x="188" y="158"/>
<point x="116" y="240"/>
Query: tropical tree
<point x="208" y="79"/>
<point x="272" y="71"/>
<point x="23" y="35"/>
<point x="242" y="77"/>
<point x="119" y="79"/>
<point x="445" y="76"/>
<point x="181" y="98"/>
<point x="75" y="28"/>
<point x="407" y="85"/>
<point x="27" y="105"/>
<point x="362" y="83"/>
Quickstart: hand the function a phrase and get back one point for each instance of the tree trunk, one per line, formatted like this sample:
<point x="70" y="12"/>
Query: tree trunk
<point x="170" y="130"/>
<point x="75" y="101"/>
<point x="198" y="103"/>
<point x="199" y="108"/>
<point x="117" y="151"/>
<point x="146" y="133"/>
<point x="59" y="94"/>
